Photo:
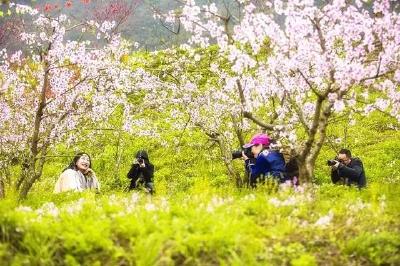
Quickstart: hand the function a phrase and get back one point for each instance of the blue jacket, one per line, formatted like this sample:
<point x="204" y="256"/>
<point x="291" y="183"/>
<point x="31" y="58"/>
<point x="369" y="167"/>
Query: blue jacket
<point x="268" y="162"/>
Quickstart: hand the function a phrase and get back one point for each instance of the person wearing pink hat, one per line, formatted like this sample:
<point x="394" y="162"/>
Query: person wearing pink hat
<point x="269" y="163"/>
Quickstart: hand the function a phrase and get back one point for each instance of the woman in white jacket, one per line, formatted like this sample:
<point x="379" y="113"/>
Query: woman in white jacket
<point x="78" y="176"/>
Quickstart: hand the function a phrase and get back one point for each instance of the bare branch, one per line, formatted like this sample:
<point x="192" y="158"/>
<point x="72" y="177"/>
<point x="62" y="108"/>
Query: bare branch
<point x="249" y="115"/>
<point x="378" y="75"/>
<point x="241" y="94"/>
<point x="301" y="116"/>
<point x="313" y="129"/>
<point x="309" y="83"/>
<point x="317" y="26"/>
<point x="256" y="120"/>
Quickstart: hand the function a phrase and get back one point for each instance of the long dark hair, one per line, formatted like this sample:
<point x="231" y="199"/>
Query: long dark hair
<point x="142" y="154"/>
<point x="72" y="165"/>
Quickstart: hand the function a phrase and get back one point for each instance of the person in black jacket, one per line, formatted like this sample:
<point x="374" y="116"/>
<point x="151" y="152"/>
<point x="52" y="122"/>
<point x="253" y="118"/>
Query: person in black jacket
<point x="348" y="170"/>
<point x="142" y="171"/>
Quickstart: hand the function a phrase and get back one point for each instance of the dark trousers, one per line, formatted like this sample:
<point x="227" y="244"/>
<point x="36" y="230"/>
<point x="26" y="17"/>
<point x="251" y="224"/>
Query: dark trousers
<point x="137" y="183"/>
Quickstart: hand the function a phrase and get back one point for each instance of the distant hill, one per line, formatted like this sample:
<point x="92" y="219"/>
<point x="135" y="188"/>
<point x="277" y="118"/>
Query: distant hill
<point x="141" y="27"/>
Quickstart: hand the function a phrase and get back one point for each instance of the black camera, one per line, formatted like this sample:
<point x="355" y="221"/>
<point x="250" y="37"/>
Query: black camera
<point x="238" y="154"/>
<point x="140" y="160"/>
<point x="331" y="162"/>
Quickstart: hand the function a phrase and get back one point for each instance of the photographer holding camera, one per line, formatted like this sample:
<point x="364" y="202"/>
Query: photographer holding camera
<point x="142" y="172"/>
<point x="238" y="154"/>
<point x="347" y="170"/>
<point x="268" y="162"/>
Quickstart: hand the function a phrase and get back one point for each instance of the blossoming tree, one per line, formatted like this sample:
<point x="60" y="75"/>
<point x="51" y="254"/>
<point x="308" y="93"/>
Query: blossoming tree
<point x="194" y="101"/>
<point x="54" y="87"/>
<point x="295" y="64"/>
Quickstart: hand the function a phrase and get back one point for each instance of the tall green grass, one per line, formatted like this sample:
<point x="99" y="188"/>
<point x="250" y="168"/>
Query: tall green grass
<point x="325" y="225"/>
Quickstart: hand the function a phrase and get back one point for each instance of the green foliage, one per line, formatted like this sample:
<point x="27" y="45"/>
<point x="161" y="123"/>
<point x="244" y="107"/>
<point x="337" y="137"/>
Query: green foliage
<point x="304" y="260"/>
<point x="205" y="226"/>
<point x="377" y="248"/>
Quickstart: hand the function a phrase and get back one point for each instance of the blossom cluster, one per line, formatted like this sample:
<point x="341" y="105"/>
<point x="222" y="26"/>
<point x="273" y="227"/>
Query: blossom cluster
<point x="74" y="83"/>
<point x="292" y="51"/>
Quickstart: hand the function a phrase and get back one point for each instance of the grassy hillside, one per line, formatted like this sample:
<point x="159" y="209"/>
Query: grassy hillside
<point x="325" y="225"/>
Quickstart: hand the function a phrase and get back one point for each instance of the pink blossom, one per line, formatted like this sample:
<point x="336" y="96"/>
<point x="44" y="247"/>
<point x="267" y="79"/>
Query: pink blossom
<point x="85" y="83"/>
<point x="317" y="50"/>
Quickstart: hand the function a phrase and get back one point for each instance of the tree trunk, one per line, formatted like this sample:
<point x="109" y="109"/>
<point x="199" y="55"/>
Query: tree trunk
<point x="306" y="170"/>
<point x="2" y="188"/>
<point x="227" y="158"/>
<point x="316" y="138"/>
<point x="33" y="171"/>
<point x="118" y="151"/>
<point x="24" y="168"/>
<point x="238" y="130"/>
<point x="27" y="178"/>
<point x="27" y="185"/>
<point x="30" y="173"/>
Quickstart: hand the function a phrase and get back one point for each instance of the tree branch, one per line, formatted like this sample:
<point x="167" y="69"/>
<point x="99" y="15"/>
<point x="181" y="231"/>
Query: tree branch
<point x="378" y="75"/>
<point x="256" y="120"/>
<point x="301" y="116"/>
<point x="313" y="130"/>
<point x="249" y="115"/>
<point x="309" y="83"/>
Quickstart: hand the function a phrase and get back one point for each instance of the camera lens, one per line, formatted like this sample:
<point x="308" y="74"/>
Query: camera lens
<point x="331" y="162"/>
